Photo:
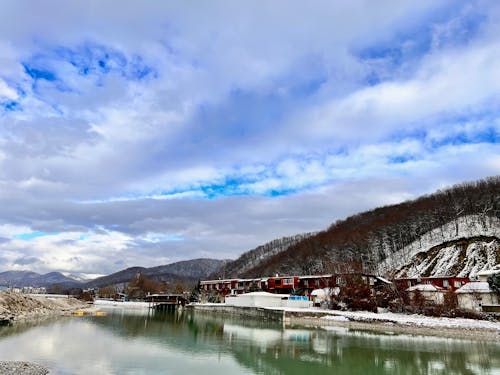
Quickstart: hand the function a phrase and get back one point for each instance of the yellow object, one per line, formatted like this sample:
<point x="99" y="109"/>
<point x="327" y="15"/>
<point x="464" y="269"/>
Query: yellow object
<point x="82" y="313"/>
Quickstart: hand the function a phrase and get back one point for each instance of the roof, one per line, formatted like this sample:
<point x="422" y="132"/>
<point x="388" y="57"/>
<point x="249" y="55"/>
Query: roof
<point x="425" y="288"/>
<point x="262" y="294"/>
<point x="320" y="292"/>
<point x="475" y="287"/>
<point x="488" y="272"/>
<point x="315" y="276"/>
<point x="384" y="280"/>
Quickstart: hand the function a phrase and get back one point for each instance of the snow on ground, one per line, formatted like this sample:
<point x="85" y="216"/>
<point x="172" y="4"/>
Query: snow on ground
<point x="121" y="305"/>
<point x="402" y="319"/>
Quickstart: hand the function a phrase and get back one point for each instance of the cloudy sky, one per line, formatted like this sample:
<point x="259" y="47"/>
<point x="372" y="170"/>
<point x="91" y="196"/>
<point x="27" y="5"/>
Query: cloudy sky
<point x="147" y="132"/>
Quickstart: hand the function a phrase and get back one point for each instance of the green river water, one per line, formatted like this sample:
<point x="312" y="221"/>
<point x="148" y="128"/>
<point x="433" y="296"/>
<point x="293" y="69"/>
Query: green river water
<point x="194" y="343"/>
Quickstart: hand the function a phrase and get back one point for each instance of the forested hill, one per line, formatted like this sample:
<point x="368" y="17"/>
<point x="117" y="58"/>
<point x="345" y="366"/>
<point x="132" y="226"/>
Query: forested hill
<point x="257" y="256"/>
<point x="388" y="239"/>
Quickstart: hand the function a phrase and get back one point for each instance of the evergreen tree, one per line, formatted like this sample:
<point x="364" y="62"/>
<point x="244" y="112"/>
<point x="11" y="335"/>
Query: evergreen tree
<point x="196" y="293"/>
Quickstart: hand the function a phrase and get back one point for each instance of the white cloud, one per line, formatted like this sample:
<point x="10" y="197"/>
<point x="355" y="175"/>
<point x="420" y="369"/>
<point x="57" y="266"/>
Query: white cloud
<point x="257" y="96"/>
<point x="7" y="92"/>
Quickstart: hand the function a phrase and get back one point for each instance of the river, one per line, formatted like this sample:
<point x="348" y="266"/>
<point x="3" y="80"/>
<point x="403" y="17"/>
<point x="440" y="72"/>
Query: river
<point x="195" y="343"/>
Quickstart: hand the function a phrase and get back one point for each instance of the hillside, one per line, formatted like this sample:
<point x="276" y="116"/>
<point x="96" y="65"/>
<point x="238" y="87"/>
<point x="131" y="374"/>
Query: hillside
<point x="189" y="270"/>
<point x="27" y="278"/>
<point x="393" y="239"/>
<point x="257" y="256"/>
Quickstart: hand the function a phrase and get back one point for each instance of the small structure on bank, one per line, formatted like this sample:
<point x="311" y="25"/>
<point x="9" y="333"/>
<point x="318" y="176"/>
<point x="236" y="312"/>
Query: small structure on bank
<point x="444" y="282"/>
<point x="164" y="301"/>
<point x="321" y="297"/>
<point x="431" y="293"/>
<point x="267" y="300"/>
<point x="476" y="295"/>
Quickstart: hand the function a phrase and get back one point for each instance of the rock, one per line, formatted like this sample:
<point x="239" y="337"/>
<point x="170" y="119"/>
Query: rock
<point x="21" y="368"/>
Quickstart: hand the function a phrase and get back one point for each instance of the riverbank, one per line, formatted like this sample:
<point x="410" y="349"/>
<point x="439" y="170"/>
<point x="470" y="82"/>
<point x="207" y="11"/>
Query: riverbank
<point x="18" y="307"/>
<point x="385" y="322"/>
<point x="21" y="368"/>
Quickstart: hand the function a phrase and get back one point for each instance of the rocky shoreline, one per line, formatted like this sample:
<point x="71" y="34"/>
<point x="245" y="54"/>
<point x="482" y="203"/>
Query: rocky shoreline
<point x="19" y="307"/>
<point x="21" y="368"/>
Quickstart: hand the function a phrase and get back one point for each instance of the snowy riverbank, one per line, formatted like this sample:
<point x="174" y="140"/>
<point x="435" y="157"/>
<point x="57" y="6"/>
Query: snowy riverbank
<point x="392" y="322"/>
<point x="364" y="320"/>
<point x="16" y="306"/>
<point x="134" y="305"/>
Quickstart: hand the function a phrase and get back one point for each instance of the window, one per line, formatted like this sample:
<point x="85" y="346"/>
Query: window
<point x="277" y="282"/>
<point x="288" y="282"/>
<point x="457" y="284"/>
<point x="446" y="283"/>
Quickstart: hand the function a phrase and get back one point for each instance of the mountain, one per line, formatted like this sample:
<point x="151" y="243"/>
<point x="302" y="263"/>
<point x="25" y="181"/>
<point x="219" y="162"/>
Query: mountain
<point x="28" y="278"/>
<point x="189" y="270"/>
<point x="456" y="230"/>
<point x="257" y="256"/>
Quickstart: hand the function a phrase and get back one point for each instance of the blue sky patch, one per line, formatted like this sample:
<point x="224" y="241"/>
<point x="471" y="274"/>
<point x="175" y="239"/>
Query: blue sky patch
<point x="39" y="73"/>
<point x="32" y="235"/>
<point x="11" y="105"/>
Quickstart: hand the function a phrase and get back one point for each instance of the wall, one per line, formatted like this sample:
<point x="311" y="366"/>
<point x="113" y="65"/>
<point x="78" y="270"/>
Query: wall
<point x="251" y="312"/>
<point x="474" y="301"/>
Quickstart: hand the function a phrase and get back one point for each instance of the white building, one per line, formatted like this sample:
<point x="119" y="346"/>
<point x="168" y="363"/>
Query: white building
<point x="430" y="292"/>
<point x="269" y="300"/>
<point x="475" y="295"/>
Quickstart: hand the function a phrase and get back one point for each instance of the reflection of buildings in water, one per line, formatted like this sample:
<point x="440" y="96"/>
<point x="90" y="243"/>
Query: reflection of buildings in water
<point x="362" y="350"/>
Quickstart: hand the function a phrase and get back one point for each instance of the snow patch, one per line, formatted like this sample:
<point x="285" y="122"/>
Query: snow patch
<point x="479" y="256"/>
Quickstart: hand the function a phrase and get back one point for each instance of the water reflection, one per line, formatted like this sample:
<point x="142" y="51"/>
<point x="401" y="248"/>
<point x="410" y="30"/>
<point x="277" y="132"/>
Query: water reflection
<point x="144" y="343"/>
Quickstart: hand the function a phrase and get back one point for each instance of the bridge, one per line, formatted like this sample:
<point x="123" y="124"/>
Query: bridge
<point x="165" y="302"/>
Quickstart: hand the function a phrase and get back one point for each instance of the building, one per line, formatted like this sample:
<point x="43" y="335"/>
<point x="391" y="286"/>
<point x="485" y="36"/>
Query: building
<point x="267" y="300"/>
<point x="303" y="285"/>
<point x="477" y="295"/>
<point x="444" y="282"/>
<point x="431" y="293"/>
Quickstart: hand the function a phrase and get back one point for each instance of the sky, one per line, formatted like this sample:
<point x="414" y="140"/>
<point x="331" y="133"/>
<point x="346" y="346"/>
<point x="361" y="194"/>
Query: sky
<point x="141" y="133"/>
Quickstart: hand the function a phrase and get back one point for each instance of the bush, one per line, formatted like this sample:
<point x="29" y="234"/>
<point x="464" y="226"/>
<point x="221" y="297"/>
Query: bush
<point x="356" y="295"/>
<point x="450" y="300"/>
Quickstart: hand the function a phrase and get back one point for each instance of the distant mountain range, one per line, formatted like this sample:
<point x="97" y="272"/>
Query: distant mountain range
<point x="190" y="270"/>
<point x="27" y="278"/>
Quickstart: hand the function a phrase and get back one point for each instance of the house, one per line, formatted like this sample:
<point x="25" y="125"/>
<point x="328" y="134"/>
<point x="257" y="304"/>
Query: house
<point x="445" y="282"/>
<point x="431" y="293"/>
<point x="305" y="285"/>
<point x="283" y="284"/>
<point x="321" y="297"/>
<point x="483" y="275"/>
<point x="478" y="296"/>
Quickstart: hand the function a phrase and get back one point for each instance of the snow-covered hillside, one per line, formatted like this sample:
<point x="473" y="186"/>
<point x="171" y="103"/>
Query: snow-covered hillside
<point x="461" y="247"/>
